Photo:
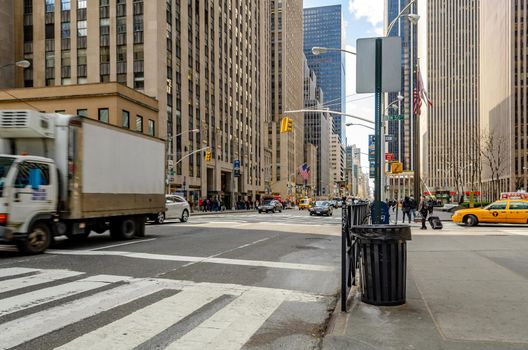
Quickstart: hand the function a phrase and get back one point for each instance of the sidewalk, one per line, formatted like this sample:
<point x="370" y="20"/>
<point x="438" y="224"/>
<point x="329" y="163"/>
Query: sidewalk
<point x="443" y="215"/>
<point x="465" y="290"/>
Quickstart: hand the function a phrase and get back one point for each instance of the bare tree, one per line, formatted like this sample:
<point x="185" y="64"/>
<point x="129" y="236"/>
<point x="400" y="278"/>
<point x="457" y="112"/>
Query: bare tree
<point x="493" y="151"/>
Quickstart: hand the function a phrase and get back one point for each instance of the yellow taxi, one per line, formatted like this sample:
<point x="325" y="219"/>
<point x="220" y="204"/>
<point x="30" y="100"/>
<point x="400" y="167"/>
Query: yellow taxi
<point x="512" y="211"/>
<point x="305" y="203"/>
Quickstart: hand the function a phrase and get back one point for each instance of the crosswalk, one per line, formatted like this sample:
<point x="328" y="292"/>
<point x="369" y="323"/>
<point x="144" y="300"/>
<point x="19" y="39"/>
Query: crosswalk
<point x="37" y="304"/>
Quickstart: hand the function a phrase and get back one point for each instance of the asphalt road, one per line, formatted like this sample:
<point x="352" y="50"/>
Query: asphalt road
<point x="227" y="281"/>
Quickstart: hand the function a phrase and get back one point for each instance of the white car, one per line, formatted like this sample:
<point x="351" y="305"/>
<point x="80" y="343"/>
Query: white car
<point x="176" y="207"/>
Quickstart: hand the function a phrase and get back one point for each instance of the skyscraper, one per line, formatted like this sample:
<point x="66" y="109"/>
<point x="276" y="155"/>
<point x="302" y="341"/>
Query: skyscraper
<point x="322" y="27"/>
<point x="206" y="62"/>
<point x="450" y="65"/>
<point x="503" y="96"/>
<point x="317" y="130"/>
<point x="402" y="130"/>
<point x="7" y="38"/>
<point x="287" y="80"/>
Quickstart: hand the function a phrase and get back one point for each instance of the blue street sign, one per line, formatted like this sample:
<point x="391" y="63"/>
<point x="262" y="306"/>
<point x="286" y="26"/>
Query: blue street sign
<point x="372" y="148"/>
<point x="236" y="164"/>
<point x="372" y="169"/>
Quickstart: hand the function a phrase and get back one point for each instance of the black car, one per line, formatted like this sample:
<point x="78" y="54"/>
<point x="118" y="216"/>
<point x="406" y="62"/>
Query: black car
<point x="322" y="208"/>
<point x="272" y="206"/>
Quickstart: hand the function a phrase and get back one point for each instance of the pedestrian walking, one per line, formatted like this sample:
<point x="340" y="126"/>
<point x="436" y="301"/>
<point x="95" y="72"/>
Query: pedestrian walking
<point x="200" y="204"/>
<point x="414" y="206"/>
<point x="423" y="208"/>
<point x="406" y="209"/>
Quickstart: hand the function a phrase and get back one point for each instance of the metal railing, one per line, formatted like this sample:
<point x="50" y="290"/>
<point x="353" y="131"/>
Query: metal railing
<point x="352" y="215"/>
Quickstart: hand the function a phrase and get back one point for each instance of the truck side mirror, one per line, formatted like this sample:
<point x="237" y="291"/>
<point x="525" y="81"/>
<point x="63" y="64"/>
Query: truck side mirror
<point x="35" y="179"/>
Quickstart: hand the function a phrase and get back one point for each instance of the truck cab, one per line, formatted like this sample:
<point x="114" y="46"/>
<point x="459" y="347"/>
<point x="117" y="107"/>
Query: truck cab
<point x="28" y="193"/>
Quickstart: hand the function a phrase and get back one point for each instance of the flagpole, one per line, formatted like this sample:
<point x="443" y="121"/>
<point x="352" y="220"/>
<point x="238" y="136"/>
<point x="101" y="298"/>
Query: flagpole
<point x="416" y="141"/>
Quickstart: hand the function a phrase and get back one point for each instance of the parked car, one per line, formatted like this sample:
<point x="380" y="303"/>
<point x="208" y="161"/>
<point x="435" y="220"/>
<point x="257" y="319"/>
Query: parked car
<point x="450" y="207"/>
<point x="499" y="212"/>
<point x="337" y="202"/>
<point x="176" y="207"/>
<point x="322" y="208"/>
<point x="272" y="206"/>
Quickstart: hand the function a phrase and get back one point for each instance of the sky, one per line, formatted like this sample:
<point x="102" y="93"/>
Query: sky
<point x="361" y="19"/>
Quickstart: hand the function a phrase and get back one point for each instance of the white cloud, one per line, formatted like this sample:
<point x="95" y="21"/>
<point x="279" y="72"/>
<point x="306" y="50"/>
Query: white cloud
<point x="379" y="31"/>
<point x="371" y="10"/>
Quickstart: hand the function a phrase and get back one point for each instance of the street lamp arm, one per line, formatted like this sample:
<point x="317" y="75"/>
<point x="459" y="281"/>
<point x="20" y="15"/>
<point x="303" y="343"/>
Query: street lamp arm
<point x="316" y="50"/>
<point x="190" y="154"/>
<point x="366" y="126"/>
<point x="389" y="28"/>
<point x="328" y="111"/>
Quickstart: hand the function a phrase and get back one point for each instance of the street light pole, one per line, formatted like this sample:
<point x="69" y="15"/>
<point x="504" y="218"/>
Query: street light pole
<point x="169" y="153"/>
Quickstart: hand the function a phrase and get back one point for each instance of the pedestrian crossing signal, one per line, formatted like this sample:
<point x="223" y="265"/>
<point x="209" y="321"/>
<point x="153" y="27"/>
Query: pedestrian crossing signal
<point x="207" y="155"/>
<point x="286" y="125"/>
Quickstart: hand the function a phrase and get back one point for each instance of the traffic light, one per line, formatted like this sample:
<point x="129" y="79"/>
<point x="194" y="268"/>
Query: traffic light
<point x="207" y="155"/>
<point x="286" y="125"/>
<point x="289" y="127"/>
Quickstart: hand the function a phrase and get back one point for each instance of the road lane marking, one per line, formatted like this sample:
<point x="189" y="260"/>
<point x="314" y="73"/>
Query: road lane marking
<point x="126" y="243"/>
<point x="224" y="261"/>
<point x="27" y="328"/>
<point x="232" y="326"/>
<point x="229" y="251"/>
<point x="13" y="271"/>
<point x="145" y="323"/>
<point x="46" y="295"/>
<point x="43" y="277"/>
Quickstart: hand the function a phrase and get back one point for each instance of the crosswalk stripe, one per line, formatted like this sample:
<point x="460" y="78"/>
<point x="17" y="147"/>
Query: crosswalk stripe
<point x="231" y="327"/>
<point x="43" y="277"/>
<point x="138" y="327"/>
<point x="26" y="328"/>
<point x="13" y="271"/>
<point x="46" y="295"/>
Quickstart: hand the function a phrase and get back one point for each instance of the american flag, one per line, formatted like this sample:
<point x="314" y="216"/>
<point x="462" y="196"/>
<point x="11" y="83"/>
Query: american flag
<point x="420" y="94"/>
<point x="304" y="170"/>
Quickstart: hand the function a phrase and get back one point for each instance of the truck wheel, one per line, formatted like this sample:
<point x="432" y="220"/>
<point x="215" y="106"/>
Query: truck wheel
<point x="38" y="240"/>
<point x="185" y="216"/>
<point x="160" y="218"/>
<point x="123" y="229"/>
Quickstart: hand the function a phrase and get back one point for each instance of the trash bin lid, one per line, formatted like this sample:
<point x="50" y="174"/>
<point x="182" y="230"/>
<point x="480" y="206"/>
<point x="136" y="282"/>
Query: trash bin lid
<point x="383" y="232"/>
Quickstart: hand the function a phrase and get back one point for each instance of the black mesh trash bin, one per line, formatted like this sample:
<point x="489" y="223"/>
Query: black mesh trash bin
<point x="383" y="265"/>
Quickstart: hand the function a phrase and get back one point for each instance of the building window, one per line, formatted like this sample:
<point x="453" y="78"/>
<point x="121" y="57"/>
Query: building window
<point x="81" y="4"/>
<point x="65" y="5"/>
<point x="50" y="6"/>
<point x="82" y="28"/>
<point x="82" y="112"/>
<point x="139" y="123"/>
<point x="103" y="115"/>
<point x="65" y="30"/>
<point x="125" y="116"/>
<point x="151" y="128"/>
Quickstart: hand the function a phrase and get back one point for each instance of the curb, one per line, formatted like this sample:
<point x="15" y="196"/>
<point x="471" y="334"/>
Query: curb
<point x="206" y="213"/>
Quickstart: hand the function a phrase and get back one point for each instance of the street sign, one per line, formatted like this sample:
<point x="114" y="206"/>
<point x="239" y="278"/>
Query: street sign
<point x="372" y="169"/>
<point x="390" y="64"/>
<point x="396" y="168"/>
<point x="391" y="117"/>
<point x="389" y="156"/>
<point x="372" y="148"/>
<point x="236" y="172"/>
<point x="389" y="138"/>
<point x="236" y="164"/>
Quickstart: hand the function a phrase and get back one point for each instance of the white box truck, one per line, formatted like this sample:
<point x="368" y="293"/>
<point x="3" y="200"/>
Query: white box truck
<point x="70" y="175"/>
